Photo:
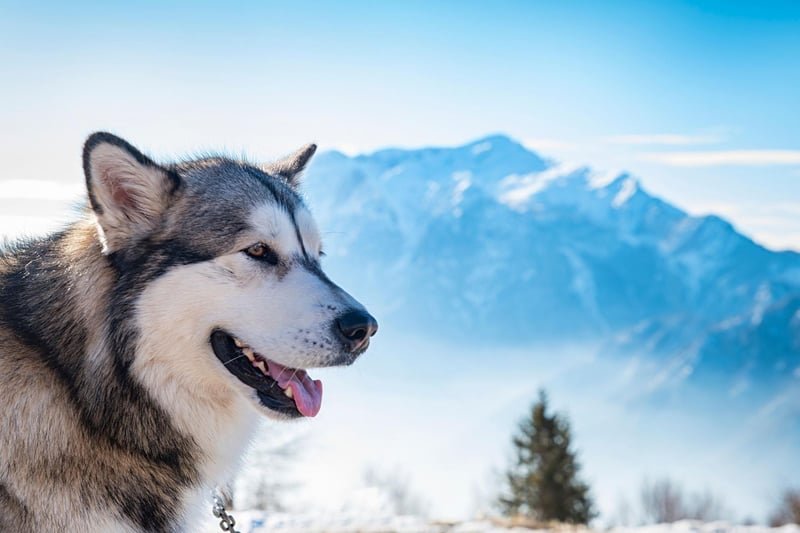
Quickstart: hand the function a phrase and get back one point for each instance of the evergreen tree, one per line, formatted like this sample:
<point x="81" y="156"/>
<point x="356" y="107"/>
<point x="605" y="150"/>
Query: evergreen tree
<point x="543" y="482"/>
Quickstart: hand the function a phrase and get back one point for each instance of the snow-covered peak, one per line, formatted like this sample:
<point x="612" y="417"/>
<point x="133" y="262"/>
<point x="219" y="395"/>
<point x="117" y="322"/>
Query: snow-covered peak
<point x="481" y="147"/>
<point x="517" y="191"/>
<point x="566" y="186"/>
<point x="621" y="189"/>
<point x="489" y="160"/>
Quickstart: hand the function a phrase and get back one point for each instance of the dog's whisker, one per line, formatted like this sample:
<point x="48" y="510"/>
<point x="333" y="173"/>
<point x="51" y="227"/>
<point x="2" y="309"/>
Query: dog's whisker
<point x="232" y="360"/>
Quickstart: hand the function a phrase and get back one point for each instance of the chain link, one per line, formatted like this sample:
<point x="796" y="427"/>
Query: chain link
<point x="226" y="521"/>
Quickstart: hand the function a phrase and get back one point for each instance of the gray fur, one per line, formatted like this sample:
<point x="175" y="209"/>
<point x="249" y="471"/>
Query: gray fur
<point x="85" y="441"/>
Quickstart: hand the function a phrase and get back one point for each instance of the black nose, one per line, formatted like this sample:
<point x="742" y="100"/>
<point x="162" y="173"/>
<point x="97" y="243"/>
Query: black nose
<point x="356" y="327"/>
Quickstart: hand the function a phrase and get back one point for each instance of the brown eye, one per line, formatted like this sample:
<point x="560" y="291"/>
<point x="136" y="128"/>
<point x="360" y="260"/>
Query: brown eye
<point x="262" y="252"/>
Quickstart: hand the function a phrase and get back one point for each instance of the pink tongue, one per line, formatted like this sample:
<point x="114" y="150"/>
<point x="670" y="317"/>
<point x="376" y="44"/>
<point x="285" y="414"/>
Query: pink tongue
<point x="307" y="393"/>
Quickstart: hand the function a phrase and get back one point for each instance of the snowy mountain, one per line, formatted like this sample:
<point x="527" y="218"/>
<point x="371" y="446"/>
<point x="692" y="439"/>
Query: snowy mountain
<point x="490" y="243"/>
<point x="672" y="341"/>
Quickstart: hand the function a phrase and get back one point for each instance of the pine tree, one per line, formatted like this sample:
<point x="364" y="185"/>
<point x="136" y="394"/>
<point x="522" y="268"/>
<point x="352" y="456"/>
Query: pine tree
<point x="543" y="482"/>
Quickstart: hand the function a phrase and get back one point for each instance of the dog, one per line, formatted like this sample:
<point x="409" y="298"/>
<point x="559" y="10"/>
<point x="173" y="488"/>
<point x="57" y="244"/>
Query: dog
<point x="139" y="344"/>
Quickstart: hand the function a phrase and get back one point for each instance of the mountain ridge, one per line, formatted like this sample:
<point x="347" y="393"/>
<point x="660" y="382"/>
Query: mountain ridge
<point x="490" y="241"/>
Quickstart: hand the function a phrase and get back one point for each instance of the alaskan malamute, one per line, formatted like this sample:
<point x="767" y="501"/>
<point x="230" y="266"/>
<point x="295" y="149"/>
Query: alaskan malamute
<point x="138" y="345"/>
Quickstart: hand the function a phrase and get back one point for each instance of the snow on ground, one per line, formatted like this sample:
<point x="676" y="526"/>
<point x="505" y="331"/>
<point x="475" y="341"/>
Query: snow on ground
<point x="262" y="522"/>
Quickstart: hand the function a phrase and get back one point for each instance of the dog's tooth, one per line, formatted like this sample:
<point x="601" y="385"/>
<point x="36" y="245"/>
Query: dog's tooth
<point x="249" y="353"/>
<point x="238" y="343"/>
<point x="288" y="392"/>
<point x="260" y="365"/>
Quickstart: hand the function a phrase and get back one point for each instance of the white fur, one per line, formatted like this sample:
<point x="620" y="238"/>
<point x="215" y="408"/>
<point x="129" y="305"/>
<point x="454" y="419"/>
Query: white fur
<point x="288" y="320"/>
<point x="273" y="226"/>
<point x="309" y="231"/>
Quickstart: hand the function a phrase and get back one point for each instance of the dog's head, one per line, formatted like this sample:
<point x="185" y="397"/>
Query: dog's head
<point x="220" y="261"/>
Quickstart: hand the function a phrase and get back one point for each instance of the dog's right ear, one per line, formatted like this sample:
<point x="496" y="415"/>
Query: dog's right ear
<point x="291" y="167"/>
<point x="128" y="191"/>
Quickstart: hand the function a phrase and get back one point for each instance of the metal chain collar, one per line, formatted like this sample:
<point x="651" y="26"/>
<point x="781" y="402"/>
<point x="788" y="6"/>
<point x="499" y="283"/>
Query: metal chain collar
<point x="226" y="521"/>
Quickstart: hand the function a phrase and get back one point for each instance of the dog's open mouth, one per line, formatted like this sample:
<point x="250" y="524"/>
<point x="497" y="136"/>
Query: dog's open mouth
<point x="289" y="391"/>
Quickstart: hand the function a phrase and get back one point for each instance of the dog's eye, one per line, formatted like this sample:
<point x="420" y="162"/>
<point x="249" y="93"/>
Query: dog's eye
<point x="262" y="252"/>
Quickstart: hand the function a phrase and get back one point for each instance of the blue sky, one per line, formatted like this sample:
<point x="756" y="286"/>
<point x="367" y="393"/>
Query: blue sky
<point x="616" y="85"/>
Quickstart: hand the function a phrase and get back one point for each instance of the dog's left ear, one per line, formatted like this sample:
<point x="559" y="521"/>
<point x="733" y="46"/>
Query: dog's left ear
<point x="290" y="168"/>
<point x="128" y="191"/>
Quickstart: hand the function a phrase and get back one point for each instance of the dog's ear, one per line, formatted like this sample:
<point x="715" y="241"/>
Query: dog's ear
<point x="290" y="168"/>
<point x="127" y="190"/>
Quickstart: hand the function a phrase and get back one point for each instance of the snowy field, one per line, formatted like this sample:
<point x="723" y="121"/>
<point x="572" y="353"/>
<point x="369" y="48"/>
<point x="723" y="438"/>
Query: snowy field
<point x="261" y="522"/>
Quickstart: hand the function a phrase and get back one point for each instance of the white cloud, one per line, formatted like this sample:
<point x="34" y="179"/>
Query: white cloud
<point x="39" y="190"/>
<point x="724" y="157"/>
<point x="774" y="225"/>
<point x="547" y="144"/>
<point x="789" y="208"/>
<point x="349" y="149"/>
<point x="15" y="226"/>
<point x="674" y="139"/>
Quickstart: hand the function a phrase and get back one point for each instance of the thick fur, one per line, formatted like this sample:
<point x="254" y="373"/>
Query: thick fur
<point x="117" y="415"/>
